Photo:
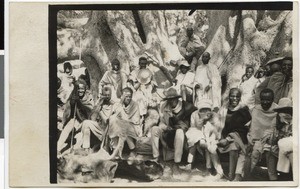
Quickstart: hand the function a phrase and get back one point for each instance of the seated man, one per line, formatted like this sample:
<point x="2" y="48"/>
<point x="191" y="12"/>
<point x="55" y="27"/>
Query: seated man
<point x="184" y="80"/>
<point x="188" y="44"/>
<point x="284" y="134"/>
<point x="262" y="126"/>
<point x="124" y="124"/>
<point x="114" y="78"/>
<point x="234" y="117"/>
<point x="98" y="121"/>
<point x="78" y="109"/>
<point x="203" y="136"/>
<point x="175" y="116"/>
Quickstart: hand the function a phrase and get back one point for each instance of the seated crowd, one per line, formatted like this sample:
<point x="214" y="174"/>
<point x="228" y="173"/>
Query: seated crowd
<point x="254" y="122"/>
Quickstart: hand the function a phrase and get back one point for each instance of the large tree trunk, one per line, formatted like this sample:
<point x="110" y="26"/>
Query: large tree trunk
<point x="234" y="39"/>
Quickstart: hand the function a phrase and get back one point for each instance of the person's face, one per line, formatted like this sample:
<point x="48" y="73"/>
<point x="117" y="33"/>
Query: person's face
<point x="266" y="100"/>
<point x="249" y="72"/>
<point x="184" y="69"/>
<point x="68" y="71"/>
<point x="143" y="64"/>
<point x="81" y="90"/>
<point x="173" y="102"/>
<point x="268" y="70"/>
<point x="287" y="67"/>
<point x="106" y="95"/>
<point x="189" y="32"/>
<point x="261" y="73"/>
<point x="234" y="98"/>
<point x="127" y="98"/>
<point x="205" y="58"/>
<point x="205" y="113"/>
<point x="115" y="66"/>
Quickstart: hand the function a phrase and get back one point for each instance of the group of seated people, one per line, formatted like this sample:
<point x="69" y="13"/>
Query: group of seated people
<point x="255" y="120"/>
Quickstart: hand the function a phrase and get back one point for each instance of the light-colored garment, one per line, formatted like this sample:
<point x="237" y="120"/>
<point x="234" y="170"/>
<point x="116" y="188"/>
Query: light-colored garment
<point x="248" y="90"/>
<point x="263" y="122"/>
<point x="185" y="79"/>
<point x="145" y="98"/>
<point x="114" y="79"/>
<point x="285" y="150"/>
<point x="187" y="45"/>
<point x="207" y="131"/>
<point x="208" y="75"/>
<point x="131" y="114"/>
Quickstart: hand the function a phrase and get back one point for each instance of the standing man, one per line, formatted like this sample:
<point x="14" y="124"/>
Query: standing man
<point x="78" y="109"/>
<point x="175" y="116"/>
<point x="114" y="78"/>
<point x="207" y="83"/>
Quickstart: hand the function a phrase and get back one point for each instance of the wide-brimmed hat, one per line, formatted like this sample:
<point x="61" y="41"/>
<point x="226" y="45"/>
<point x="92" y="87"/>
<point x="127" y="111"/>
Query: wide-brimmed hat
<point x="144" y="76"/>
<point x="171" y="93"/>
<point x="275" y="60"/>
<point x="183" y="63"/>
<point x="204" y="103"/>
<point x="285" y="105"/>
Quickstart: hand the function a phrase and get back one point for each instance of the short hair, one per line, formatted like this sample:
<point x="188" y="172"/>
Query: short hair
<point x="127" y="89"/>
<point x="142" y="58"/>
<point x="106" y="88"/>
<point x="115" y="61"/>
<point x="235" y="89"/>
<point x="250" y="67"/>
<point x="267" y="90"/>
<point x="67" y="65"/>
<point x="81" y="81"/>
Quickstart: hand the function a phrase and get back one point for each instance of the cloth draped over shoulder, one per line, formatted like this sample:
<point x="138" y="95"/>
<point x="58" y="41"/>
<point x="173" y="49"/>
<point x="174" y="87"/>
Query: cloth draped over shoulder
<point x="187" y="44"/>
<point x="125" y="121"/>
<point x="240" y="117"/>
<point x="84" y="108"/>
<point x="248" y="90"/>
<point x="263" y="121"/>
<point x="178" y="119"/>
<point x="208" y="75"/>
<point x="115" y="79"/>
<point x="204" y="130"/>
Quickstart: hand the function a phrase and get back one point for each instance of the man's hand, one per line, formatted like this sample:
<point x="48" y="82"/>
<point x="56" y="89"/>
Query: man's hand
<point x="207" y="88"/>
<point x="216" y="109"/>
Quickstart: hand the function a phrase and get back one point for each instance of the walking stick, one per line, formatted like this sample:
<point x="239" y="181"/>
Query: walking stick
<point x="73" y="129"/>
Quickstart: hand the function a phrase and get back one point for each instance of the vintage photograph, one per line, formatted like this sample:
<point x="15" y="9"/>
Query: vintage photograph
<point x="160" y="93"/>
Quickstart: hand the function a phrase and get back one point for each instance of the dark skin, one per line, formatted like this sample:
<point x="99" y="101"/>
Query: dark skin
<point x="268" y="71"/>
<point x="234" y="98"/>
<point x="287" y="68"/>
<point x="115" y="66"/>
<point x="173" y="102"/>
<point x="189" y="32"/>
<point x="205" y="58"/>
<point x="184" y="69"/>
<point x="126" y="98"/>
<point x="143" y="64"/>
<point x="249" y="72"/>
<point x="266" y="100"/>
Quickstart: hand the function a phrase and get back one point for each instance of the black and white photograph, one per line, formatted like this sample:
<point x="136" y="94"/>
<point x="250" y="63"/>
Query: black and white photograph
<point x="172" y="93"/>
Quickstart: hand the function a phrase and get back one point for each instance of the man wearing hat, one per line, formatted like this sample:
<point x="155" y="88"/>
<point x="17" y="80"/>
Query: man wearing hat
<point x="147" y="99"/>
<point x="188" y="44"/>
<point x="260" y="133"/>
<point x="175" y="116"/>
<point x="184" y="80"/>
<point x="284" y="134"/>
<point x="207" y="82"/>
<point x="203" y="135"/>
